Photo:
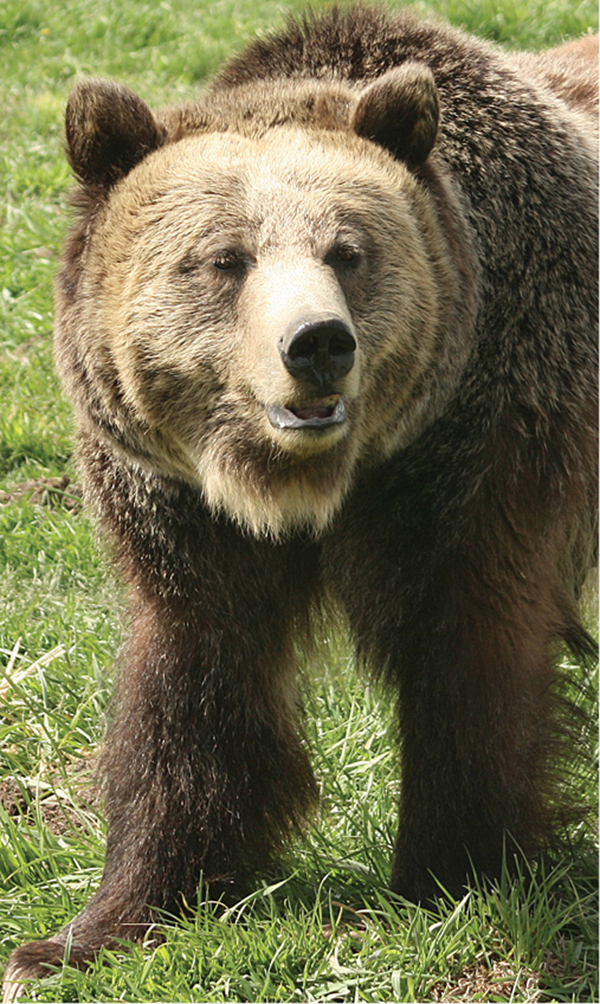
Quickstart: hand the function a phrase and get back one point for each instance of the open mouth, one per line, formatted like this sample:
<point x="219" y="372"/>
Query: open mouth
<point x="319" y="414"/>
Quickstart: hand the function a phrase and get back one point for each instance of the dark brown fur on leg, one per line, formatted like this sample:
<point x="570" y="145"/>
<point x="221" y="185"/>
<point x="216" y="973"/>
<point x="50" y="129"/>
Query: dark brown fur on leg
<point x="205" y="769"/>
<point x="469" y="646"/>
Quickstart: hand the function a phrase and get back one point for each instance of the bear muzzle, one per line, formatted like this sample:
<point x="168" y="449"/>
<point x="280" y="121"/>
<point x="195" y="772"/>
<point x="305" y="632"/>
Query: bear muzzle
<point x="318" y="350"/>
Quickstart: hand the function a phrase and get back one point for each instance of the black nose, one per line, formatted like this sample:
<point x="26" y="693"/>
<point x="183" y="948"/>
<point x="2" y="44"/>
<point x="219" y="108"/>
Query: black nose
<point x="319" y="351"/>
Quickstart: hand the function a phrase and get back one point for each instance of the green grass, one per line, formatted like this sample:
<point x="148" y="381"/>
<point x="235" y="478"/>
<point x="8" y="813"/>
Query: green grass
<point x="61" y="613"/>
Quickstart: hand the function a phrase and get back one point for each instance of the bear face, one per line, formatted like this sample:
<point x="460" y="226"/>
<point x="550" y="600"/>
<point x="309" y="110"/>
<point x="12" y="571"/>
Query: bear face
<point x="263" y="311"/>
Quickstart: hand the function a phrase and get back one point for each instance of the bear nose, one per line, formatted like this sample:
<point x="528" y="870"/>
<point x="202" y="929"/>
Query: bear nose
<point x="319" y="351"/>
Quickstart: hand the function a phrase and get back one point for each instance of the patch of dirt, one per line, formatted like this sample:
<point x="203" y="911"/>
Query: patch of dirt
<point x="11" y="797"/>
<point x="59" y="802"/>
<point x="503" y="981"/>
<point x="57" y="493"/>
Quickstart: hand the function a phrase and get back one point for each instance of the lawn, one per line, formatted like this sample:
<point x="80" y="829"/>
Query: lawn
<point x="323" y="928"/>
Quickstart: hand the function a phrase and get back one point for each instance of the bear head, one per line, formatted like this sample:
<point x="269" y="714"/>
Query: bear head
<point x="257" y="294"/>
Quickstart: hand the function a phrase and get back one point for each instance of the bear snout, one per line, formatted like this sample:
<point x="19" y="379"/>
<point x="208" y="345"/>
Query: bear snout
<point x="318" y="350"/>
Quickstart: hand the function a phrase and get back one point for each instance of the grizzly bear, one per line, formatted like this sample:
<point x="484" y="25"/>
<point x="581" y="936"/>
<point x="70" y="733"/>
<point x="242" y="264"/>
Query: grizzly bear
<point x="329" y="332"/>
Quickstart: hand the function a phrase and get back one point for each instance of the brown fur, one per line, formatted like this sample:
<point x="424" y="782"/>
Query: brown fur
<point x="450" y="516"/>
<point x="571" y="72"/>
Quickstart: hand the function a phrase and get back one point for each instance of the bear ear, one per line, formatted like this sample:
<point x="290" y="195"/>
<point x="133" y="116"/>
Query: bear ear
<point x="109" y="130"/>
<point x="400" y="111"/>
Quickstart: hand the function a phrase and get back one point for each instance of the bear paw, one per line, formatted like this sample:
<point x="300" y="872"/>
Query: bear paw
<point x="35" y="959"/>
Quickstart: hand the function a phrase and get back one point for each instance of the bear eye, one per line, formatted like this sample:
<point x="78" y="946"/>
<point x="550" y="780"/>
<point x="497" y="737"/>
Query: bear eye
<point x="227" y="260"/>
<point x="345" y="254"/>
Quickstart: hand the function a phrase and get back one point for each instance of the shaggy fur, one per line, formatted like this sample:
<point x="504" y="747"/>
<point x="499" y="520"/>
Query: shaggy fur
<point x="424" y="463"/>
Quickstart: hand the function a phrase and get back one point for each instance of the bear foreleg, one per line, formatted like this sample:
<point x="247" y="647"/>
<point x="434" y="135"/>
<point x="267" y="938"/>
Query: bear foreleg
<point x="461" y="620"/>
<point x="204" y="765"/>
